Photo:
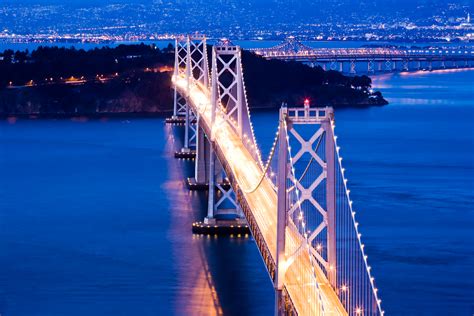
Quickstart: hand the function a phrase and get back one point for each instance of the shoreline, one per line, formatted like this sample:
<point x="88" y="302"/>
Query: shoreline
<point x="145" y="115"/>
<point x="83" y="116"/>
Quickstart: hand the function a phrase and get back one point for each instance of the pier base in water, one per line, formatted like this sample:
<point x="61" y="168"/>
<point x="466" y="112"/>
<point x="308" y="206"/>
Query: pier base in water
<point x="185" y="154"/>
<point x="193" y="185"/>
<point x="214" y="226"/>
<point x="176" y="120"/>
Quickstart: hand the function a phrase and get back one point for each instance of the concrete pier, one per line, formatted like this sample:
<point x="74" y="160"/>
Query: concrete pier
<point x="176" y="120"/>
<point x="183" y="154"/>
<point x="221" y="227"/>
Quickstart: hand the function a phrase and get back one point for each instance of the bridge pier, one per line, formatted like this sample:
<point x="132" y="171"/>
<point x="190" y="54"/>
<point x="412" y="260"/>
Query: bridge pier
<point x="353" y="67"/>
<point x="200" y="181"/>
<point x="179" y="109"/>
<point x="201" y="167"/>
<point x="370" y="66"/>
<point x="223" y="208"/>
<point x="202" y="157"/>
<point x="212" y="180"/>
<point x="190" y="130"/>
<point x="190" y="126"/>
<point x="405" y="66"/>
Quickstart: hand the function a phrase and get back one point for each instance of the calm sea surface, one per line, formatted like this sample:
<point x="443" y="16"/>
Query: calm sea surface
<point x="95" y="218"/>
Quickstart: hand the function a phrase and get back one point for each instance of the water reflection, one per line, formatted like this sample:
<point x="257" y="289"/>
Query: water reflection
<point x="196" y="290"/>
<point x="214" y="275"/>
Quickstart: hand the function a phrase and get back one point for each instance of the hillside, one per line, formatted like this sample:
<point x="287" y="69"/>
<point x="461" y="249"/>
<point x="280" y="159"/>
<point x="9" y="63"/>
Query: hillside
<point x="136" y="79"/>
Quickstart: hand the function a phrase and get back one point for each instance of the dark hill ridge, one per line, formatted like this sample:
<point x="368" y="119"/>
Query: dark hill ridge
<point x="270" y="82"/>
<point x="136" y="79"/>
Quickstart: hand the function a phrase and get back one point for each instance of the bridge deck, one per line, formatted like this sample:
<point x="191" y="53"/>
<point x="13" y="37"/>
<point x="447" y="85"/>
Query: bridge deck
<point x="299" y="280"/>
<point x="298" y="51"/>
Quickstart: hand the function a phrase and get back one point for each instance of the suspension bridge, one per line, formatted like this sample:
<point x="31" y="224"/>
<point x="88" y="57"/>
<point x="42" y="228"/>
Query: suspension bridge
<point x="296" y="203"/>
<point x="370" y="60"/>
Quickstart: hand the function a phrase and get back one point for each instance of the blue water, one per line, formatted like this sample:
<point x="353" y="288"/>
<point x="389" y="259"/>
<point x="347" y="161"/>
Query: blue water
<point x="95" y="218"/>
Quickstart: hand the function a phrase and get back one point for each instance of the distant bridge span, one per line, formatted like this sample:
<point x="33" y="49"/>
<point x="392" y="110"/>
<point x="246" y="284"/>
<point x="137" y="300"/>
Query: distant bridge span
<point x="296" y="204"/>
<point x="376" y="59"/>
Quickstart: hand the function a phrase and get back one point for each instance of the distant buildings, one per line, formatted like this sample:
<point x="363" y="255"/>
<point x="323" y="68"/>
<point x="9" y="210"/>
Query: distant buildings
<point x="238" y="19"/>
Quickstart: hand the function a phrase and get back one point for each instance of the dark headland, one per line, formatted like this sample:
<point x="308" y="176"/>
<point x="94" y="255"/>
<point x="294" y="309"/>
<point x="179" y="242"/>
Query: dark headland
<point x="135" y="79"/>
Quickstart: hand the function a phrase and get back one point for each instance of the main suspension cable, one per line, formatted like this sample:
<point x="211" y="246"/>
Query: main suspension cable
<point x="267" y="165"/>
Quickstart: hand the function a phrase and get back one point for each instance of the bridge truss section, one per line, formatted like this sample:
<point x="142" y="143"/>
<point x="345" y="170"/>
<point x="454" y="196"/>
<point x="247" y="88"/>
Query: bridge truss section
<point x="229" y="96"/>
<point x="191" y="61"/>
<point x="180" y="65"/>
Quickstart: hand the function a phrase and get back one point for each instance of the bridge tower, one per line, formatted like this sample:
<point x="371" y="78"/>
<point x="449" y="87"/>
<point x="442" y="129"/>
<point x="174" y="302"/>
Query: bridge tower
<point x="228" y="94"/>
<point x="313" y="202"/>
<point x="316" y="148"/>
<point x="198" y="66"/>
<point x="180" y="64"/>
<point x="229" y="104"/>
<point x="197" y="69"/>
<point x="191" y="62"/>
